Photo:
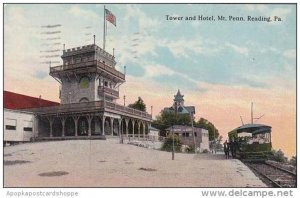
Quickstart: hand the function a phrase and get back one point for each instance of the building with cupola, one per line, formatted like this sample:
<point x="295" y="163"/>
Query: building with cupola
<point x="178" y="105"/>
<point x="189" y="135"/>
<point x="89" y="90"/>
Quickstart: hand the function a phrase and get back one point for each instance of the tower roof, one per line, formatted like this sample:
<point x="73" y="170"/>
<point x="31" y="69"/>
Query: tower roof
<point x="178" y="96"/>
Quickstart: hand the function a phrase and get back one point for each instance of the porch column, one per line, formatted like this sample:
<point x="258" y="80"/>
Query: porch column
<point x="126" y="123"/>
<point x="76" y="118"/>
<point x="112" y="126"/>
<point x="133" y="123"/>
<point x="50" y="119"/>
<point x="36" y="127"/>
<point x="63" y="122"/>
<point x="120" y="132"/>
<point x="139" y="130"/>
<point x="149" y="126"/>
<point x="89" y="119"/>
<point x="144" y="126"/>
<point x="103" y="125"/>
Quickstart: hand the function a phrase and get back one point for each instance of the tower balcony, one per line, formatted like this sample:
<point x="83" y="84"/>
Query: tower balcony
<point x="93" y="66"/>
<point x="95" y="107"/>
<point x="108" y="92"/>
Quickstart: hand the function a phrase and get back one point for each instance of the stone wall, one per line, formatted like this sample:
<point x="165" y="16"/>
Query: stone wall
<point x="71" y="92"/>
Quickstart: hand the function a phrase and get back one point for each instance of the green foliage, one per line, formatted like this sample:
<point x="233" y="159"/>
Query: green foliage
<point x="167" y="119"/>
<point x="205" y="151"/>
<point x="218" y="143"/>
<point x="293" y="161"/>
<point x="138" y="105"/>
<point x="279" y="156"/>
<point x="190" y="149"/>
<point x="212" y="130"/>
<point x="168" y="144"/>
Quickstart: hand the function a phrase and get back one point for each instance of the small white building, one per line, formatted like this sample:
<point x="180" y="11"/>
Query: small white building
<point x="153" y="133"/>
<point x="204" y="144"/>
<point x="19" y="123"/>
<point x="186" y="136"/>
<point x="18" y="126"/>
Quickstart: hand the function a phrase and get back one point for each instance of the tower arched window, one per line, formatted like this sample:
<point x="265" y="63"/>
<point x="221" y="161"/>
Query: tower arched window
<point x="84" y="82"/>
<point x="84" y="99"/>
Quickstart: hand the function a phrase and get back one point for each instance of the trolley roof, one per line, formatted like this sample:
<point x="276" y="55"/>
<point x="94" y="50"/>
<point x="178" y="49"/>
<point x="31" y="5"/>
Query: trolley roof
<point x="252" y="128"/>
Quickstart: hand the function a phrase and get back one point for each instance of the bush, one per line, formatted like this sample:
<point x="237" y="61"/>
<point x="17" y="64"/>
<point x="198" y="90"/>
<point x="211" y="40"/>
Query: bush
<point x="205" y="151"/>
<point x="190" y="149"/>
<point x="279" y="156"/>
<point x="168" y="143"/>
<point x="293" y="161"/>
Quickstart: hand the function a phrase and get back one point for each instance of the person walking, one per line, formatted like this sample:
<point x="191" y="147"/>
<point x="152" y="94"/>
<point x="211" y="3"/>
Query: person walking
<point x="226" y="149"/>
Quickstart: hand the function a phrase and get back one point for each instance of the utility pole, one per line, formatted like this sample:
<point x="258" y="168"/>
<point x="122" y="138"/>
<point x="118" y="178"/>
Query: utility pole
<point x="251" y="112"/>
<point x="242" y="120"/>
<point x="193" y="131"/>
<point x="215" y="138"/>
<point x="173" y="146"/>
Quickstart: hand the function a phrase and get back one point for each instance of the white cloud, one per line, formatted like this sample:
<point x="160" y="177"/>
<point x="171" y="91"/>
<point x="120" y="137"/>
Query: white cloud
<point x="157" y="70"/>
<point x="145" y="23"/>
<point x="280" y="12"/>
<point x="195" y="24"/>
<point x="79" y="12"/>
<point x="238" y="49"/>
<point x="183" y="47"/>
<point x="269" y="11"/>
<point x="256" y="7"/>
<point x="290" y="54"/>
<point x="20" y="42"/>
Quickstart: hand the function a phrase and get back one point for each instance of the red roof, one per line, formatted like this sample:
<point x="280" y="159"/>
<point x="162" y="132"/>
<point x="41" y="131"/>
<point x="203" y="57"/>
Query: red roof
<point x="19" y="101"/>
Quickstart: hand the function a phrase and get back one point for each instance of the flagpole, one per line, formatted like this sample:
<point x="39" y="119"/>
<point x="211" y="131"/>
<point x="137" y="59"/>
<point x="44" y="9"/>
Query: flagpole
<point x="104" y="29"/>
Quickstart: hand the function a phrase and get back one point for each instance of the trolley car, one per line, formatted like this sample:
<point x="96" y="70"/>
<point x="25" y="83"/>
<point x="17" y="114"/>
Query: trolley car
<point x="251" y="142"/>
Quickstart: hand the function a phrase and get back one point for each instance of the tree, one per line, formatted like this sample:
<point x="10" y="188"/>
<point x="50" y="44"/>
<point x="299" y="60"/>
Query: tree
<point x="212" y="130"/>
<point x="168" y="143"/>
<point x="279" y="156"/>
<point x="138" y="105"/>
<point x="168" y="118"/>
<point x="219" y="144"/>
<point x="293" y="161"/>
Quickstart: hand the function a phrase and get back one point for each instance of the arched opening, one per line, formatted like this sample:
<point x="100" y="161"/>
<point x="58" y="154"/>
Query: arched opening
<point x="141" y="129"/>
<point x="130" y="127"/>
<point x="96" y="126"/>
<point x="116" y="127"/>
<point x="44" y="127"/>
<point x="84" y="99"/>
<point x="123" y="127"/>
<point x="57" y="128"/>
<point x="107" y="126"/>
<point x="146" y="128"/>
<point x="83" y="126"/>
<point x="136" y="129"/>
<point x="69" y="127"/>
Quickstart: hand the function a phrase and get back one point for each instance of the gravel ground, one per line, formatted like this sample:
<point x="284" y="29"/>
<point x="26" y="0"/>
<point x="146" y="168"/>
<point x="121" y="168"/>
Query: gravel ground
<point x="99" y="163"/>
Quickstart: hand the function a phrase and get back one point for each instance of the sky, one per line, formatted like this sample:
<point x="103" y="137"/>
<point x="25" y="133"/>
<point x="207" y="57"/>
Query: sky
<point x="219" y="66"/>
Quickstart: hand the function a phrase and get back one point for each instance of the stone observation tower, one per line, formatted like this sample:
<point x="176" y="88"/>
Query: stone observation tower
<point x="89" y="88"/>
<point x="88" y="74"/>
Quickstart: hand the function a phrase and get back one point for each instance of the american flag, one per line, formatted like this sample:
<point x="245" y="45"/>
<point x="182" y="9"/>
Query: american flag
<point x="110" y="17"/>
